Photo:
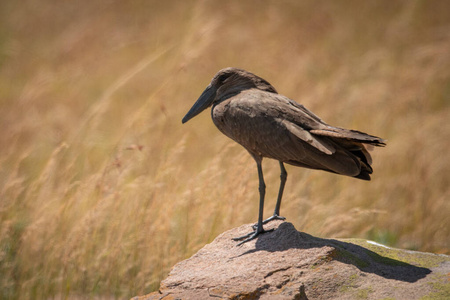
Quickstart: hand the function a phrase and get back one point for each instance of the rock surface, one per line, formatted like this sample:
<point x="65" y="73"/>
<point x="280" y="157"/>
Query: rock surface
<point x="288" y="264"/>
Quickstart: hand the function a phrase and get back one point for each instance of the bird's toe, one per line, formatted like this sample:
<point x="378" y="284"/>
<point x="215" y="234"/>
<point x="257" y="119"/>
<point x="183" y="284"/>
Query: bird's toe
<point x="270" y="219"/>
<point x="274" y="217"/>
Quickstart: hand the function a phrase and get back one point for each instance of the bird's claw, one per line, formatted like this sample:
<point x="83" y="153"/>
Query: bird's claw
<point x="274" y="217"/>
<point x="250" y="236"/>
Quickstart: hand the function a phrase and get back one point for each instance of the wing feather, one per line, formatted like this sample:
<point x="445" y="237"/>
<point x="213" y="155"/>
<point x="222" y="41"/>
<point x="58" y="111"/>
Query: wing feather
<point x="304" y="135"/>
<point x="355" y="135"/>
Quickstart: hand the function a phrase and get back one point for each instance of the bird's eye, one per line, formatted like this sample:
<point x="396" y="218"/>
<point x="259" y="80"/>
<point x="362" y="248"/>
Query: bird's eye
<point x="223" y="77"/>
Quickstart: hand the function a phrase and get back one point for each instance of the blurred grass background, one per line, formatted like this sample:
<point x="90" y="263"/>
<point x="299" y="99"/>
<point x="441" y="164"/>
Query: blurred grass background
<point x="103" y="190"/>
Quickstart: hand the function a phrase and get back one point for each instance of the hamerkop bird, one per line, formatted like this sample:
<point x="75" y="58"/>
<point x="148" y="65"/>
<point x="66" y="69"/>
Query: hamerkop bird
<point x="248" y="109"/>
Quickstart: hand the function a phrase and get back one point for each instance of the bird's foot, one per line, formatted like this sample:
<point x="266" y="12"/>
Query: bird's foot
<point x="274" y="217"/>
<point x="250" y="236"/>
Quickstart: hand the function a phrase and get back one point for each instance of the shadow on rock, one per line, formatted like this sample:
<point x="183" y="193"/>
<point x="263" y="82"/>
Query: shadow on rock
<point x="287" y="237"/>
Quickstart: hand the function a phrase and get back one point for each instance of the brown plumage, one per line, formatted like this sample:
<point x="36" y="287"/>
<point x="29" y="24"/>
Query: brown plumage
<point x="248" y="109"/>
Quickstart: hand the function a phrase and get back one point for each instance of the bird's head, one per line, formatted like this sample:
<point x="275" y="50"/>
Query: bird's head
<point x="226" y="83"/>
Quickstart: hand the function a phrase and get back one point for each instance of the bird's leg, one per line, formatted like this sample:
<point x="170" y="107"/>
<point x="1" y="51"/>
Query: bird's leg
<point x="276" y="213"/>
<point x="259" y="227"/>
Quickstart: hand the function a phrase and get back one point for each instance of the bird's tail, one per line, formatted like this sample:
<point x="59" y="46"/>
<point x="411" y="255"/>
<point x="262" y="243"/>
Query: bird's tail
<point x="357" y="143"/>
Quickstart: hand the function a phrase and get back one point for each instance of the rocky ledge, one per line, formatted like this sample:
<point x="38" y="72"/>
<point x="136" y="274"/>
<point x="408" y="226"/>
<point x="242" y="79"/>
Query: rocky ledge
<point x="288" y="264"/>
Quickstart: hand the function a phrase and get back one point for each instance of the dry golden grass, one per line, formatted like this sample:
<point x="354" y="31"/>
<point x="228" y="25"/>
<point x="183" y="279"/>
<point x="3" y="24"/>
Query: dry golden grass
<point x="102" y="189"/>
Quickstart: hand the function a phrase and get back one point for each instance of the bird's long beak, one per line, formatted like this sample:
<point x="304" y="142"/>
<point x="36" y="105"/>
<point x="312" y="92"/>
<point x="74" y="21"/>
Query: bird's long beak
<point x="204" y="101"/>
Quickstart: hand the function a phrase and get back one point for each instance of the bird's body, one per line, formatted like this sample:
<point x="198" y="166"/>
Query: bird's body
<point x="273" y="126"/>
<point x="247" y="109"/>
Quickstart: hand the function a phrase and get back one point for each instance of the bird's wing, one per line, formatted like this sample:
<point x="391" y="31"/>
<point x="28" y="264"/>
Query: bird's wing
<point x="298" y="120"/>
<point x="328" y="140"/>
<point x="304" y="118"/>
<point x="306" y="136"/>
<point x="293" y="112"/>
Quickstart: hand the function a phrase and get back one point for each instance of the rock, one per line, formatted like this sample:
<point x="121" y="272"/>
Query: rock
<point x="288" y="264"/>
